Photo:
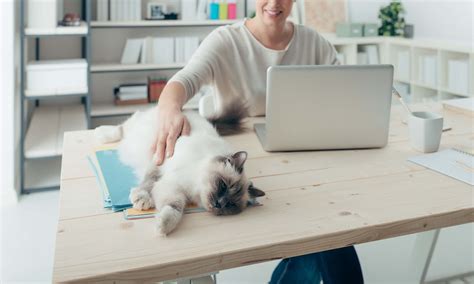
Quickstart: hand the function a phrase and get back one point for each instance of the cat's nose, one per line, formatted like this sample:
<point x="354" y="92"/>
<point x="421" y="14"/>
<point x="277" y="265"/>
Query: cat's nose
<point x="217" y="205"/>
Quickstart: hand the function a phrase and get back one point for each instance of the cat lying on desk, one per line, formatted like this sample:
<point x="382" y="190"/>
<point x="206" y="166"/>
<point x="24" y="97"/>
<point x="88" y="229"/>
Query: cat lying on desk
<point x="203" y="170"/>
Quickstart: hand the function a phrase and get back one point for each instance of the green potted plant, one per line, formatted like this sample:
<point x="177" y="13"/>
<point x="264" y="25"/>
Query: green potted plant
<point x="393" y="22"/>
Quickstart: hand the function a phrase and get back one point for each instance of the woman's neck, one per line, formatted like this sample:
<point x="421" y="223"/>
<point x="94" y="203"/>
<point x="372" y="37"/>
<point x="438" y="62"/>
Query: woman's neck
<point x="274" y="37"/>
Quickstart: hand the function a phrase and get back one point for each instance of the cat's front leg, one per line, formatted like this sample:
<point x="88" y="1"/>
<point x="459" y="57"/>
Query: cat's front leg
<point x="141" y="199"/>
<point x="141" y="196"/>
<point x="170" y="203"/>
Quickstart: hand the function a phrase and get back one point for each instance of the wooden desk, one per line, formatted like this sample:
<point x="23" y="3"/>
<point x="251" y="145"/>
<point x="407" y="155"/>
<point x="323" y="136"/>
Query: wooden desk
<point x="315" y="201"/>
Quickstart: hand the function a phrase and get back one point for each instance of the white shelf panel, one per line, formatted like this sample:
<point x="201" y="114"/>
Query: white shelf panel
<point x="335" y="40"/>
<point x="423" y="85"/>
<point x="163" y="23"/>
<point x="60" y="30"/>
<point x="111" y="109"/>
<point x="44" y="137"/>
<point x="447" y="90"/>
<point x="56" y="92"/>
<point x="134" y="67"/>
<point x="101" y="110"/>
<point x="406" y="81"/>
<point x="42" y="173"/>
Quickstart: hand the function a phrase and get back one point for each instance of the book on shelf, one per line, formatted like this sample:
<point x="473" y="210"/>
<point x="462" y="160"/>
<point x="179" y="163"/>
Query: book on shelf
<point x="131" y="102"/>
<point x="102" y="10"/>
<point x="188" y="10"/>
<point x="163" y="50"/>
<point x="179" y="50"/>
<point x="119" y="10"/>
<point x="427" y="70"/>
<point x="191" y="44"/>
<point x="155" y="87"/>
<point x="403" y="65"/>
<point x="362" y="57"/>
<point x="127" y="94"/>
<point x="201" y="10"/>
<point x="185" y="48"/>
<point x="131" y="96"/>
<point x="159" y="50"/>
<point x="131" y="52"/>
<point x="372" y="53"/>
<point x="132" y="88"/>
<point x="458" y="76"/>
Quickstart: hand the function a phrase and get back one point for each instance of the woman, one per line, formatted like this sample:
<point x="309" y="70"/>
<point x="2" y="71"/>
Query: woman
<point x="234" y="60"/>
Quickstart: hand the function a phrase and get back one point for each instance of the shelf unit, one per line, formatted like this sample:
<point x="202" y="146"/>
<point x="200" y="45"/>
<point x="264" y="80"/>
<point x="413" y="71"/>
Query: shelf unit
<point x="46" y="115"/>
<point x="405" y="55"/>
<point x="106" y="73"/>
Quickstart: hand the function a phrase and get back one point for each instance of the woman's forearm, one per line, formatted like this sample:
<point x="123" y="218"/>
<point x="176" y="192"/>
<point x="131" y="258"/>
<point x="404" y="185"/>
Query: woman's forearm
<point x="173" y="96"/>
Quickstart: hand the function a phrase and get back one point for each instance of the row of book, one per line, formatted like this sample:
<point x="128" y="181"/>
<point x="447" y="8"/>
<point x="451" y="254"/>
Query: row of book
<point x="159" y="50"/>
<point x="208" y="9"/>
<point x="119" y="10"/>
<point x="140" y="93"/>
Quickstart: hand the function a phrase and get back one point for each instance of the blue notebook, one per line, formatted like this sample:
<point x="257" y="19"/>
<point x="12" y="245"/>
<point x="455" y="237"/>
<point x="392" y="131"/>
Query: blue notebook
<point x="115" y="179"/>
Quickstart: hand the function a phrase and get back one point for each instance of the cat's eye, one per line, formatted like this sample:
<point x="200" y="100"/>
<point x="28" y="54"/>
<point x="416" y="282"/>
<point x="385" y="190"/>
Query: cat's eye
<point x="222" y="187"/>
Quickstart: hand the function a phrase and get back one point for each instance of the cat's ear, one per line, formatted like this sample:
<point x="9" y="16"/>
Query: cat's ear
<point x="238" y="160"/>
<point x="255" y="192"/>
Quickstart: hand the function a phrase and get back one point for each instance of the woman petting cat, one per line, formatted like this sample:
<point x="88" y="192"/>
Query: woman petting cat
<point x="234" y="59"/>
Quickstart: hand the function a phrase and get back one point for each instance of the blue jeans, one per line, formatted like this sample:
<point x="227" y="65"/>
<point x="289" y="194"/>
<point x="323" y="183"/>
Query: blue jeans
<point x="333" y="267"/>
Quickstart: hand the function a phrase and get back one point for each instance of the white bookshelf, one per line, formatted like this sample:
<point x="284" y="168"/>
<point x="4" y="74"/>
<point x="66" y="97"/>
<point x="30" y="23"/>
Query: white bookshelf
<point x="60" y="30"/>
<point x="57" y="92"/>
<point x="163" y="23"/>
<point x="110" y="109"/>
<point x="42" y="174"/>
<point x="97" y="68"/>
<point x="410" y="73"/>
<point x="44" y="137"/>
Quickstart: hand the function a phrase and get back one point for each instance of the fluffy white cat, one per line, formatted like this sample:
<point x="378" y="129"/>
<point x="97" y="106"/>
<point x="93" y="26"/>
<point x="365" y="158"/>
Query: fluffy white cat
<point x="203" y="170"/>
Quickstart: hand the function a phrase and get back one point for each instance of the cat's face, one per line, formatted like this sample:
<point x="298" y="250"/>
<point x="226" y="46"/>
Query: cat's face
<point x="228" y="190"/>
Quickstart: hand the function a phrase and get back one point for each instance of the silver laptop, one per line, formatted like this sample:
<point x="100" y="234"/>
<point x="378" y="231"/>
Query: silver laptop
<point x="326" y="107"/>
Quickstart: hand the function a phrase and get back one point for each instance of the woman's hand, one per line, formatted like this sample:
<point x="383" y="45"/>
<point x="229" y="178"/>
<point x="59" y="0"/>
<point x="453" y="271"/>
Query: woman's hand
<point x="171" y="124"/>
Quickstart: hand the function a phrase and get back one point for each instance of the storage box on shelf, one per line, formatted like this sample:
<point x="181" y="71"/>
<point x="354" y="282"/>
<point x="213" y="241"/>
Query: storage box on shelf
<point x="56" y="77"/>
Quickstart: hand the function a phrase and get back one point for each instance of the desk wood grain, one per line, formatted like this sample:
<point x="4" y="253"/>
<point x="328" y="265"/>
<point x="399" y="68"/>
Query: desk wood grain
<point x="315" y="201"/>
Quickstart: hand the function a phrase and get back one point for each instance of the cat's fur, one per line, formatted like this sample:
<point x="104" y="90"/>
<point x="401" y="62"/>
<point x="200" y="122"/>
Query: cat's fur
<point x="204" y="169"/>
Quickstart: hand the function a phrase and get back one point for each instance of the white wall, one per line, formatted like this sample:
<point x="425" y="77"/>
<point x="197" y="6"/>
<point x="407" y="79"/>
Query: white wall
<point x="8" y="137"/>
<point x="436" y="19"/>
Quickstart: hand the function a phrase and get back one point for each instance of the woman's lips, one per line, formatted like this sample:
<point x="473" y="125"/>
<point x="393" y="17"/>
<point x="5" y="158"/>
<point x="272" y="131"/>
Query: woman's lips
<point x="273" y="13"/>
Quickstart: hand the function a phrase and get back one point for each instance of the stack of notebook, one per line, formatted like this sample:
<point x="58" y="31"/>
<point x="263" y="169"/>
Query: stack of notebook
<point x="115" y="179"/>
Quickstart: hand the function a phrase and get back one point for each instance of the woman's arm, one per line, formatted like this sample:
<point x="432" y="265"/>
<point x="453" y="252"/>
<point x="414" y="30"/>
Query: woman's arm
<point x="171" y="121"/>
<point x="182" y="86"/>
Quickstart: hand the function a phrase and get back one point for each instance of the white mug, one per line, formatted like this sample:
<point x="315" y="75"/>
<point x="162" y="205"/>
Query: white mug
<point x="425" y="131"/>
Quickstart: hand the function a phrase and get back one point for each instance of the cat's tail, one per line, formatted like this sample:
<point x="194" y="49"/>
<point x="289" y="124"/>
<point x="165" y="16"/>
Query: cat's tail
<point x="230" y="119"/>
<point x="108" y="133"/>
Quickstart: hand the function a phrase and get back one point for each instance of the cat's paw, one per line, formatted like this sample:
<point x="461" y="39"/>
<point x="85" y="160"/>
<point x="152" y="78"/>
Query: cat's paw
<point x="167" y="220"/>
<point x="141" y="199"/>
